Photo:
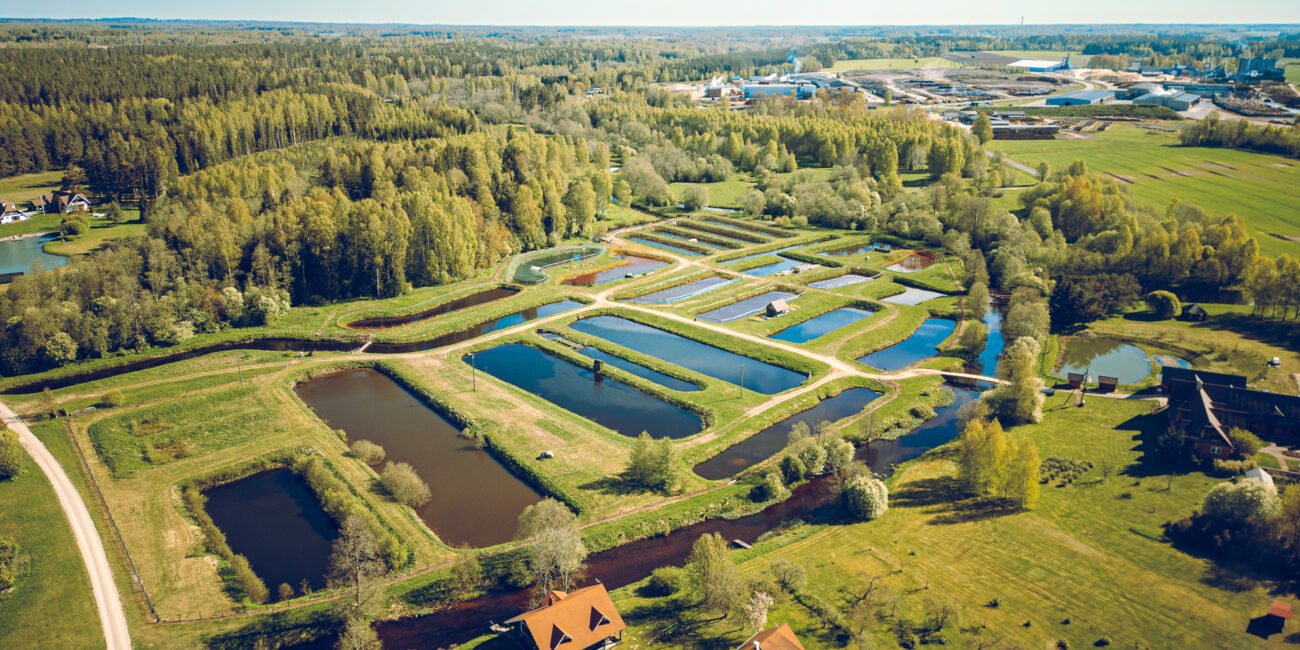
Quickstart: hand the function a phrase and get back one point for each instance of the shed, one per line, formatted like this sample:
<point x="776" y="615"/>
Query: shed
<point x="1107" y="384"/>
<point x="777" y="308"/>
<point x="1076" y="379"/>
<point x="1258" y="474"/>
<point x="1280" y="609"/>
<point x="1194" y="312"/>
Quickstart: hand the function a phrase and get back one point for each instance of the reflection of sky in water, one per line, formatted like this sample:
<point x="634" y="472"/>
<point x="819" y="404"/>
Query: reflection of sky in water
<point x="1107" y="357"/>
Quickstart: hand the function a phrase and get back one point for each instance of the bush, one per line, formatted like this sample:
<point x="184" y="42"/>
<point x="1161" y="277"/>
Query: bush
<point x="285" y="592"/>
<point x="367" y="452"/>
<point x="867" y="498"/>
<point x="1233" y="467"/>
<point x="113" y="399"/>
<point x="253" y="585"/>
<point x="1244" y="443"/>
<point x="11" y="454"/>
<point x="405" y="485"/>
<point x="666" y="581"/>
<point x="1163" y="304"/>
<point x="1237" y="502"/>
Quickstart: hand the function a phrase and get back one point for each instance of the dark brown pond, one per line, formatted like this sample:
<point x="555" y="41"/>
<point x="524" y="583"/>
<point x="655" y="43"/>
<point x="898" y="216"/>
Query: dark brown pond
<point x="476" y="501"/>
<point x="274" y="520"/>
<point x="465" y="302"/>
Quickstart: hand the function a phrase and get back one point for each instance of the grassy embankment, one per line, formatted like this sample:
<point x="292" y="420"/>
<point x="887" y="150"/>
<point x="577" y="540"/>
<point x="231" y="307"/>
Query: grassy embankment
<point x="1262" y="189"/>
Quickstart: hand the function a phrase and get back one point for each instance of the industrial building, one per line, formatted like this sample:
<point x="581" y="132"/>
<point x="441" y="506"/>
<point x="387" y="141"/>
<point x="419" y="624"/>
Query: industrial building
<point x="1081" y="98"/>
<point x="798" y="91"/>
<point x="1171" y="99"/>
<point x="1039" y="65"/>
<point x="1025" y="131"/>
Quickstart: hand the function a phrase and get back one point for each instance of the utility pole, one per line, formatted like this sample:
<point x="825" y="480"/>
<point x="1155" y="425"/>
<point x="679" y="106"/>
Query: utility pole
<point x="239" y="365"/>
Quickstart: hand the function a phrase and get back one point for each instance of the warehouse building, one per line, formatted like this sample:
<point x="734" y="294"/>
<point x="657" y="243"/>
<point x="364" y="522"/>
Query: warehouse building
<point x="1171" y="99"/>
<point x="1081" y="98"/>
<point x="1038" y="65"/>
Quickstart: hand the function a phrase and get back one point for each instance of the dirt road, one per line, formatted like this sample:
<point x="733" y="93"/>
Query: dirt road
<point x="107" y="601"/>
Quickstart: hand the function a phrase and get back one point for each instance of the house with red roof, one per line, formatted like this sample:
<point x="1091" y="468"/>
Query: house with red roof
<point x="585" y="619"/>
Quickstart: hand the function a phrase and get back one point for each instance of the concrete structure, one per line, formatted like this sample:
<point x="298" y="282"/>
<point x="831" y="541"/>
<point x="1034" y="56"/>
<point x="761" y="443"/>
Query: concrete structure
<point x="1081" y="98"/>
<point x="1260" y="475"/>
<point x="1171" y="99"/>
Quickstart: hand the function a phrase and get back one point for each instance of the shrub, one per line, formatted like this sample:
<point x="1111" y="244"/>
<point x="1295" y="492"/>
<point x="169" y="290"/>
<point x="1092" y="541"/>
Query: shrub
<point x="405" y="485"/>
<point x="11" y="454"/>
<point x="771" y="488"/>
<point x="1244" y="443"/>
<point x="285" y="592"/>
<point x="253" y="585"/>
<point x="1233" y="467"/>
<point x="10" y="559"/>
<point x="1163" y="304"/>
<point x="867" y="498"/>
<point x="1238" y="502"/>
<point x="113" y="399"/>
<point x="367" y="452"/>
<point x="666" y="581"/>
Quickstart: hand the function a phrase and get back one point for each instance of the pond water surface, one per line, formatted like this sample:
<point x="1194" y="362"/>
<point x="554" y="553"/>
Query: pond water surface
<point x="368" y="405"/>
<point x="1101" y="356"/>
<point x="920" y="345"/>
<point x="912" y="263"/>
<point x="518" y="318"/>
<point x="273" y="519"/>
<point x="912" y="296"/>
<point x="845" y="251"/>
<point x="821" y="325"/>
<point x="762" y="445"/>
<point x="464" y="302"/>
<point x="683" y="290"/>
<point x="666" y="247"/>
<point x="700" y="357"/>
<point x="17" y="255"/>
<point x="840" y="281"/>
<point x="633" y="266"/>
<point x="746" y="307"/>
<point x="602" y="399"/>
<point x="987" y="362"/>
<point x="667" y="381"/>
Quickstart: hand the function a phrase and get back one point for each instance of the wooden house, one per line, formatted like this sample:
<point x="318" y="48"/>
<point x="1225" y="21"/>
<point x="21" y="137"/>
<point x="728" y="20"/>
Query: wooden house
<point x="780" y="637"/>
<point x="585" y="619"/>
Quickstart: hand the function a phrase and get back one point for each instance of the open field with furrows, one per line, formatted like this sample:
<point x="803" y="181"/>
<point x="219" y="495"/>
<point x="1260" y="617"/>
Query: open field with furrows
<point x="1086" y="564"/>
<point x="1263" y="190"/>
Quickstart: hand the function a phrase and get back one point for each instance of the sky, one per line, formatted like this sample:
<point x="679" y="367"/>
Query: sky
<point x="675" y="12"/>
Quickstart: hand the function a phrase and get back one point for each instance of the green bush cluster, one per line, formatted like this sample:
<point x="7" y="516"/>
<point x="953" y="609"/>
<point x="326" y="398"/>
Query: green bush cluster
<point x="1063" y="469"/>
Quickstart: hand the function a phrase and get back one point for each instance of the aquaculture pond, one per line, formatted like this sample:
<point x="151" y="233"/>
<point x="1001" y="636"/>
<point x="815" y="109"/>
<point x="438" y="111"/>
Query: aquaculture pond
<point x="666" y="247"/>
<point x="758" y="255"/>
<point x="368" y="405"/>
<point x="702" y="358"/>
<point x="465" y="302"/>
<point x="848" y="279"/>
<point x="920" y="345"/>
<point x="667" y="381"/>
<point x="518" y="318"/>
<point x="599" y="398"/>
<point x="723" y="210"/>
<point x="746" y="307"/>
<point x="681" y="291"/>
<point x="816" y="501"/>
<point x="633" y="266"/>
<point x="987" y="362"/>
<point x="772" y="269"/>
<point x="762" y="445"/>
<point x="689" y="240"/>
<point x="1105" y="357"/>
<point x="913" y="263"/>
<point x="821" y="325"/>
<point x="912" y="296"/>
<point x="845" y="251"/>
<point x="273" y="519"/>
<point x="17" y="255"/>
<point x="733" y="238"/>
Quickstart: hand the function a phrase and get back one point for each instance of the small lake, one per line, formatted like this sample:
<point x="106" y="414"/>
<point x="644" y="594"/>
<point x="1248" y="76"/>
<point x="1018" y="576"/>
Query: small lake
<point x="666" y="247"/>
<point x="848" y="279"/>
<point x="762" y="445"/>
<point x="913" y="296"/>
<point x="1101" y="356"/>
<point x="912" y="263"/>
<point x="689" y="289"/>
<point x="702" y="358"/>
<point x="746" y="307"/>
<point x="632" y="266"/>
<point x="821" y="325"/>
<point x="17" y="255"/>
<point x="922" y="344"/>
<point x="845" y="251"/>
<point x="603" y="400"/>
<point x="518" y="318"/>
<point x="368" y="405"/>
<point x="273" y="519"/>
<point x="465" y="302"/>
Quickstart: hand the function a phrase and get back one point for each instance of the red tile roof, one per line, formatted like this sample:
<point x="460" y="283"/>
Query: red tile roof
<point x="777" y="638"/>
<point x="1280" y="609"/>
<point x="573" y="620"/>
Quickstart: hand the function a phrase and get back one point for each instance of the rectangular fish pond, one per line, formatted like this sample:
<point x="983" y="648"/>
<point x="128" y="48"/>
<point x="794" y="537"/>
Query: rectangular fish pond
<point x="601" y="399"/>
<point x="702" y="358"/>
<point x="683" y="291"/>
<point x="851" y="249"/>
<point x="922" y="344"/>
<point x="821" y="325"/>
<point x="518" y="318"/>
<point x="762" y="445"/>
<point x="666" y="247"/>
<point x="368" y="405"/>
<point x="845" y="280"/>
<point x="913" y="296"/>
<point x="747" y="307"/>
<point x="633" y="266"/>
<point x="464" y="302"/>
<point x="273" y="519"/>
<point x="667" y="381"/>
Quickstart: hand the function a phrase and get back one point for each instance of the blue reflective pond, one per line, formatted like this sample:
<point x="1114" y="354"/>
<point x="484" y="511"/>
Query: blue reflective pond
<point x="683" y="290"/>
<point x="700" y="357"/>
<point x="821" y="325"/>
<point x="635" y="266"/>
<point x="987" y="362"/>
<point x="746" y="307"/>
<point x="1105" y="357"/>
<point x="18" y="254"/>
<point x="912" y="296"/>
<point x="920" y="345"/>
<point x="603" y="400"/>
<point x="667" y="381"/>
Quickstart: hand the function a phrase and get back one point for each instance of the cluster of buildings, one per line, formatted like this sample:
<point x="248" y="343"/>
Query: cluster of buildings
<point x="59" y="202"/>
<point x="1249" y="71"/>
<point x="586" y="619"/>
<point x="1206" y="405"/>
<point x="796" y="85"/>
<point x="1009" y="125"/>
<point x="1176" y="95"/>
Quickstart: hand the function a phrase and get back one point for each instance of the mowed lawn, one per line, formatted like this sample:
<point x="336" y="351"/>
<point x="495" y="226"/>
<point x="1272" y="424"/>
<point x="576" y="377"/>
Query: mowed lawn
<point x="51" y="606"/>
<point x="1085" y="564"/>
<point x="1262" y="189"/>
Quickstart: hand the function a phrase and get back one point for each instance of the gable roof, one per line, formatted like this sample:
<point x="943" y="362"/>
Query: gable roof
<point x="780" y="637"/>
<point x="573" y="620"/>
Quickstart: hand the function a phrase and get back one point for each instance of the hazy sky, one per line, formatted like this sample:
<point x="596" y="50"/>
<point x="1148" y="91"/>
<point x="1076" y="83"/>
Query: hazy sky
<point x="677" y="12"/>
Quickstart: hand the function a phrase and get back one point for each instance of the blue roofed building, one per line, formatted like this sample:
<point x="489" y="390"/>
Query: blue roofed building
<point x="1081" y="98"/>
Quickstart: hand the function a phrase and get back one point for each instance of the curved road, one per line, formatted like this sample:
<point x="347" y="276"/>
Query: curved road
<point x="107" y="601"/>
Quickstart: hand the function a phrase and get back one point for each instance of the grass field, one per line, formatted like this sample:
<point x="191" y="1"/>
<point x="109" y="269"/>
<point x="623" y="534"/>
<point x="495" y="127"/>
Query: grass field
<point x="1262" y="189"/>
<point x="51" y="606"/>
<point x="1293" y="72"/>
<point x="101" y="230"/>
<point x="894" y="64"/>
<point x="1085" y="564"/>
<point x="1046" y="55"/>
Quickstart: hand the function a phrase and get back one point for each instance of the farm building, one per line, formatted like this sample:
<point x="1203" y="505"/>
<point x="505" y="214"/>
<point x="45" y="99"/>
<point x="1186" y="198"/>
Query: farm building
<point x="1040" y="65"/>
<point x="1207" y="404"/>
<point x="1081" y="98"/>
<point x="585" y="618"/>
<point x="777" y="308"/>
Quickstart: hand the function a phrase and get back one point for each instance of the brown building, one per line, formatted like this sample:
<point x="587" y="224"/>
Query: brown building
<point x="580" y="620"/>
<point x="777" y="638"/>
<point x="61" y="203"/>
<point x="1208" y="404"/>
